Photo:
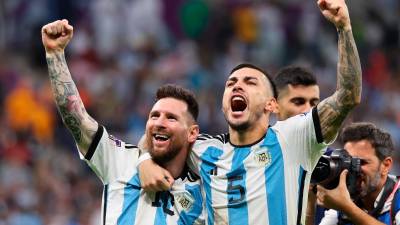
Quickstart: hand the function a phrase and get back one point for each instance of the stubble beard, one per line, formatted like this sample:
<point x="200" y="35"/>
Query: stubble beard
<point x="164" y="156"/>
<point x="372" y="185"/>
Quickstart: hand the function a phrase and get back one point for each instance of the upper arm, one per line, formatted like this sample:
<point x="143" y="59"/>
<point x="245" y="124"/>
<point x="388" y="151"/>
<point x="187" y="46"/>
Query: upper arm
<point x="332" y="113"/>
<point x="301" y="136"/>
<point x="109" y="157"/>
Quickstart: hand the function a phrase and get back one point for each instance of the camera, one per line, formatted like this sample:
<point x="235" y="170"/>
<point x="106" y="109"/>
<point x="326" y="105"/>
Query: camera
<point x="328" y="169"/>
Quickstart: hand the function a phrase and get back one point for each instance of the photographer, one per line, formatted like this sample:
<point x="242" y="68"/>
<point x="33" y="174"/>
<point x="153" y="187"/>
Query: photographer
<point x="377" y="199"/>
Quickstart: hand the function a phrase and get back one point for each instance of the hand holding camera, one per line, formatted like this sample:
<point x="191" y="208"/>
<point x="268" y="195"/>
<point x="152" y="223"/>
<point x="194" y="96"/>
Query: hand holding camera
<point x="337" y="198"/>
<point x="327" y="172"/>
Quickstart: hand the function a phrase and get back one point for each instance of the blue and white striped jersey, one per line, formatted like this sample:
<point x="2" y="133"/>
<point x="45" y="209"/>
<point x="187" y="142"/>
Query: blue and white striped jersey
<point x="262" y="183"/>
<point x="125" y="202"/>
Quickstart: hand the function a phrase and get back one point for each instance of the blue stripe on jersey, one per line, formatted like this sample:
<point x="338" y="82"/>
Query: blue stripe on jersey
<point x="195" y="211"/>
<point x="385" y="218"/>
<point x="131" y="200"/>
<point x="236" y="190"/>
<point x="275" y="182"/>
<point x="161" y="216"/>
<point x="209" y="157"/>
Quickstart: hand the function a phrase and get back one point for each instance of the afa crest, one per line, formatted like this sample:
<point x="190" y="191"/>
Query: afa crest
<point x="262" y="156"/>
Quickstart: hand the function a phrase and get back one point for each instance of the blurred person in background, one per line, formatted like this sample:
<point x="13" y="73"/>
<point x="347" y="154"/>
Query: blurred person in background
<point x="172" y="129"/>
<point x="378" y="195"/>
<point x="298" y="91"/>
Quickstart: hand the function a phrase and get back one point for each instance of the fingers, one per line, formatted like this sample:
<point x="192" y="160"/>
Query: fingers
<point x="343" y="176"/>
<point x="153" y="177"/>
<point x="67" y="29"/>
<point x="159" y="183"/>
<point x="331" y="5"/>
<point x="57" y="28"/>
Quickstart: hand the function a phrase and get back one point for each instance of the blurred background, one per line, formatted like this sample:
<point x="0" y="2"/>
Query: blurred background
<point x="123" y="50"/>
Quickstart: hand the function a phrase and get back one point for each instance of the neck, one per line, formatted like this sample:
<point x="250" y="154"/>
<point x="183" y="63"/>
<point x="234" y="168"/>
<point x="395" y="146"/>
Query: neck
<point x="249" y="135"/>
<point x="176" y="165"/>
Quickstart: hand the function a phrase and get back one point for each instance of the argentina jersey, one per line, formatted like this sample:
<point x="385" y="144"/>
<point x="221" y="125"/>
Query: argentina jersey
<point x="261" y="183"/>
<point x="125" y="202"/>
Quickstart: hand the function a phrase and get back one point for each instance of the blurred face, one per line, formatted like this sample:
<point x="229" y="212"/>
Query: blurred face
<point x="169" y="129"/>
<point x="295" y="100"/>
<point x="247" y="98"/>
<point x="373" y="171"/>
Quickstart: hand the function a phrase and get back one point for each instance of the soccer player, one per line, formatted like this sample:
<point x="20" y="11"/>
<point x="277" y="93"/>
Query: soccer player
<point x="171" y="128"/>
<point x="378" y="195"/>
<point x="298" y="91"/>
<point x="252" y="175"/>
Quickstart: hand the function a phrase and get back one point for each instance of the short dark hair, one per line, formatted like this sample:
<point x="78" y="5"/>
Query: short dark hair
<point x="249" y="65"/>
<point x="379" y="139"/>
<point x="180" y="93"/>
<point x="294" y="75"/>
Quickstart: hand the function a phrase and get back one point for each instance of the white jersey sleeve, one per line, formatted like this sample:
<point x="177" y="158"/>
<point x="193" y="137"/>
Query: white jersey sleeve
<point x="302" y="136"/>
<point x="109" y="157"/>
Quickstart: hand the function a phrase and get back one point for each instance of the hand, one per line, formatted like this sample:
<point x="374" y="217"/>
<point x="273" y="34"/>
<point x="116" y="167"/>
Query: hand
<point x="336" y="12"/>
<point x="56" y="35"/>
<point x="337" y="198"/>
<point x="153" y="177"/>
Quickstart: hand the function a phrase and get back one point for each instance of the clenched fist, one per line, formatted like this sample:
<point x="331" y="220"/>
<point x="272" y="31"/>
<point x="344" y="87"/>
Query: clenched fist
<point x="336" y="12"/>
<point x="56" y="35"/>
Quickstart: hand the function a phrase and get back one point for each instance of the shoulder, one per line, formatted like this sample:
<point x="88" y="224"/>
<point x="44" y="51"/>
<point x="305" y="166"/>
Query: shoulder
<point x="219" y="138"/>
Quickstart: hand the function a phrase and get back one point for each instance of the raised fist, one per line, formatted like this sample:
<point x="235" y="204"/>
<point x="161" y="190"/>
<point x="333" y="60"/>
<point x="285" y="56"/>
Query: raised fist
<point x="336" y="12"/>
<point x="56" y="35"/>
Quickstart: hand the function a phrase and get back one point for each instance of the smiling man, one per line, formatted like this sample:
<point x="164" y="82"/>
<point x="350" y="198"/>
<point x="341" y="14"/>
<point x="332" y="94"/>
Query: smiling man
<point x="171" y="127"/>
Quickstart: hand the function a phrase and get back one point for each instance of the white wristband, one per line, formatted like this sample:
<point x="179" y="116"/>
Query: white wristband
<point x="145" y="156"/>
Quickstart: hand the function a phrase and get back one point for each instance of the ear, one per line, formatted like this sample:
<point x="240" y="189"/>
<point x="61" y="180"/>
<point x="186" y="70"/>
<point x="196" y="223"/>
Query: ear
<point x="272" y="105"/>
<point x="386" y="165"/>
<point x="276" y="109"/>
<point x="193" y="133"/>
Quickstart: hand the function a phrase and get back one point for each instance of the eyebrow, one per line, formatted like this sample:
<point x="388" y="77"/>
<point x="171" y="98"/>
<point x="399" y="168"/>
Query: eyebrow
<point x="246" y="78"/>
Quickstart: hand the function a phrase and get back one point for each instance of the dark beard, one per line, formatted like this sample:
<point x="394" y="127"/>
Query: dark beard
<point x="239" y="127"/>
<point x="164" y="158"/>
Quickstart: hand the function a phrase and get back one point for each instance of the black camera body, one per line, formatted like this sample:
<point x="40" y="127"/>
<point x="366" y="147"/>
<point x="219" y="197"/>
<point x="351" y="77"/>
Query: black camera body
<point x="328" y="169"/>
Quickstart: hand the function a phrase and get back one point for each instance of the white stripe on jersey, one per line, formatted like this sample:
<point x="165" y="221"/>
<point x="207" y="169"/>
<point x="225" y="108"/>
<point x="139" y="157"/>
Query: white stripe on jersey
<point x="258" y="184"/>
<point x="114" y="162"/>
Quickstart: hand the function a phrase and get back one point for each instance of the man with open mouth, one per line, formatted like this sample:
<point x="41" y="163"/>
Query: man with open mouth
<point x="255" y="174"/>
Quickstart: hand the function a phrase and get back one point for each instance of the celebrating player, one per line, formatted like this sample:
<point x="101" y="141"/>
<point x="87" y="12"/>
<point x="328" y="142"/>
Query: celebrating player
<point x="171" y="128"/>
<point x="253" y="174"/>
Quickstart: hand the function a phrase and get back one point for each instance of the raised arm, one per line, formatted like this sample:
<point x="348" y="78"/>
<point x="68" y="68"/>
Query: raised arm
<point x="333" y="110"/>
<point x="55" y="37"/>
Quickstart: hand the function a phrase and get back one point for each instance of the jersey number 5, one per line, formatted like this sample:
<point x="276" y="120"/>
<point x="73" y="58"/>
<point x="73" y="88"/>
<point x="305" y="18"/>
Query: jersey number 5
<point x="235" y="187"/>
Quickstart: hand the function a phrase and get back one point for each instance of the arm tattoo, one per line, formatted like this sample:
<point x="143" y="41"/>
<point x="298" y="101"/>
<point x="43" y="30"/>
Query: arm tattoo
<point x="68" y="101"/>
<point x="333" y="110"/>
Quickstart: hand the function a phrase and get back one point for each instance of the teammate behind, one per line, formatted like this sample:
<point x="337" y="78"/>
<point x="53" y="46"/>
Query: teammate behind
<point x="298" y="91"/>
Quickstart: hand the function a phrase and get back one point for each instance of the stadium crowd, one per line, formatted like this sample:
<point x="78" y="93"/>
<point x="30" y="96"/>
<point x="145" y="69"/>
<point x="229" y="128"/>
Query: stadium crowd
<point x="123" y="50"/>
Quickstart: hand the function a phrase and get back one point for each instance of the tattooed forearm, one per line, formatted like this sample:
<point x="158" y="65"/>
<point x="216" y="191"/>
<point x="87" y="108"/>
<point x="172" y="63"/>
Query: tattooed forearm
<point x="68" y="101"/>
<point x="333" y="110"/>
